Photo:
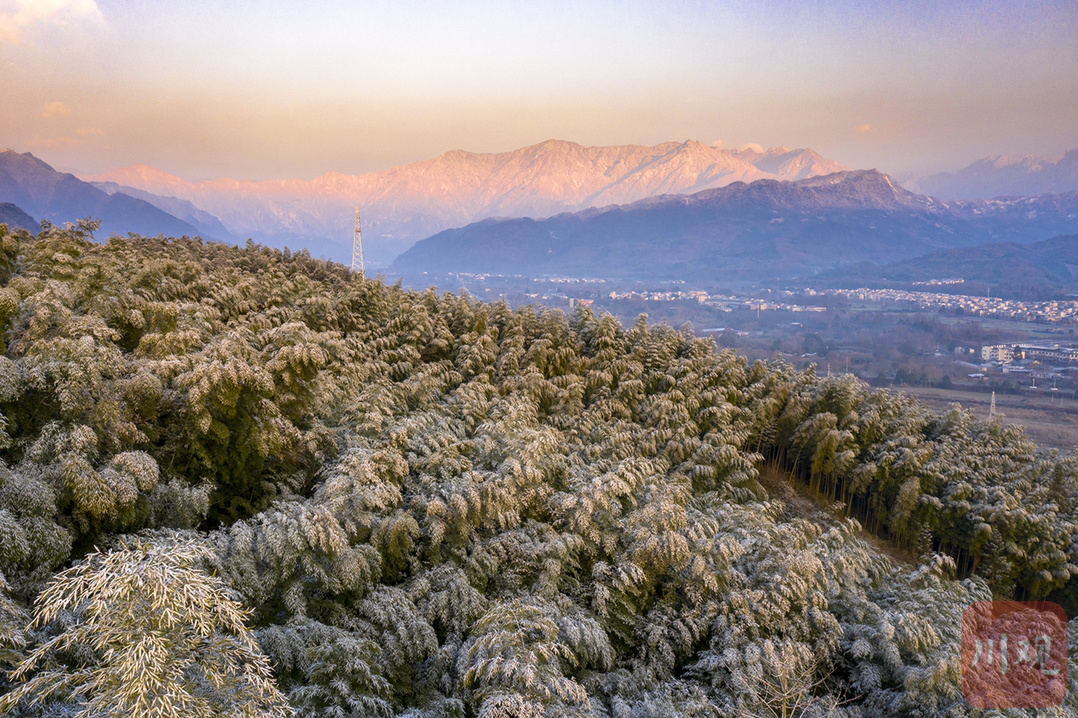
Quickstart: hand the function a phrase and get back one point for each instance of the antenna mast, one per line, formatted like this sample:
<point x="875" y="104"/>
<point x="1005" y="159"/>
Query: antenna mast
<point x="357" y="248"/>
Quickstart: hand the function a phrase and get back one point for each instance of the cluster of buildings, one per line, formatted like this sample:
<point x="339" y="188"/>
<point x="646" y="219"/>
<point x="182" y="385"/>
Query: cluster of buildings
<point x="1059" y="311"/>
<point x="1009" y="353"/>
<point x="939" y="282"/>
<point x="697" y="295"/>
<point x="718" y="301"/>
<point x="1037" y="361"/>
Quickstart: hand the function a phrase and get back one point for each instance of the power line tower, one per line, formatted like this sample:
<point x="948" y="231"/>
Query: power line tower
<point x="357" y="248"/>
<point x="992" y="413"/>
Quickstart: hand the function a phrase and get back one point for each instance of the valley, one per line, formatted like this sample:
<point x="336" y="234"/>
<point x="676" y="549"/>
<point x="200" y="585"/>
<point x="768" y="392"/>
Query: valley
<point x="923" y="343"/>
<point x="538" y="360"/>
<point x="777" y="253"/>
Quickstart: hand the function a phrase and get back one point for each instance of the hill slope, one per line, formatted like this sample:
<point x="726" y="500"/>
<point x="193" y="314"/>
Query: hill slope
<point x="762" y="230"/>
<point x="409" y="202"/>
<point x="14" y="217"/>
<point x="59" y="198"/>
<point x="434" y="506"/>
<point x="1038" y="270"/>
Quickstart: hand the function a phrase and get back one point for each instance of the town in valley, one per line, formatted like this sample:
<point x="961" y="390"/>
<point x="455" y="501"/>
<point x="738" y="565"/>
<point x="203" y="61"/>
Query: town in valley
<point x="928" y="338"/>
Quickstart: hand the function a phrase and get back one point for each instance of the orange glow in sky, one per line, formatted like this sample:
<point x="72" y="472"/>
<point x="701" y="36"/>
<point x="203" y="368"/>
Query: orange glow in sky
<point x="274" y="89"/>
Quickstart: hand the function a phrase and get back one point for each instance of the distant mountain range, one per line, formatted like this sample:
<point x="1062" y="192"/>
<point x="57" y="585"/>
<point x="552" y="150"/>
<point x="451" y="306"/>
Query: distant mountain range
<point x="410" y="202"/>
<point x="40" y="191"/>
<point x="750" y="232"/>
<point x="1004" y="177"/>
<point x="207" y="225"/>
<point x="672" y="210"/>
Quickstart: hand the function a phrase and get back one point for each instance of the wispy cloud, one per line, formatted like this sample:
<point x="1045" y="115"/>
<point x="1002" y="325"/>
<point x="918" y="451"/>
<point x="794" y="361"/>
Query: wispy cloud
<point x="55" y="109"/>
<point x="863" y="129"/>
<point x="18" y="16"/>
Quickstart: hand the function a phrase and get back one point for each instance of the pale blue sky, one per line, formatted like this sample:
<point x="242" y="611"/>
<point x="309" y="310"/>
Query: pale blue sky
<point x="276" y="89"/>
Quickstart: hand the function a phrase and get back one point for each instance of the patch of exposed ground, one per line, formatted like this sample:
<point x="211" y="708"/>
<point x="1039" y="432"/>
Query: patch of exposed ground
<point x="799" y="502"/>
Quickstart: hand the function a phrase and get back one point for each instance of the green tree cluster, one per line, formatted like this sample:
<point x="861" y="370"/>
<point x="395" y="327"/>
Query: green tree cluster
<point x="434" y="506"/>
<point x="979" y="492"/>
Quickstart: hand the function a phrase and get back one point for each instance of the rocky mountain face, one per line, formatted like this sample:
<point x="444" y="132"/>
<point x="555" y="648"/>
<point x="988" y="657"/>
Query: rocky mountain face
<point x="406" y="203"/>
<point x="757" y="231"/>
<point x="1004" y="177"/>
<point x="41" y="191"/>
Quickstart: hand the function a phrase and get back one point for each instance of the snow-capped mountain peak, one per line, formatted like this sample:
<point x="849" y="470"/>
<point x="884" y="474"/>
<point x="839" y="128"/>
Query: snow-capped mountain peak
<point x="409" y="202"/>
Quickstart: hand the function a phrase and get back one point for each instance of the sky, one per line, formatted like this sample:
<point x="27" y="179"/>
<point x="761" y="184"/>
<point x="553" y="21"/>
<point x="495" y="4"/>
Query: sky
<point x="274" y="89"/>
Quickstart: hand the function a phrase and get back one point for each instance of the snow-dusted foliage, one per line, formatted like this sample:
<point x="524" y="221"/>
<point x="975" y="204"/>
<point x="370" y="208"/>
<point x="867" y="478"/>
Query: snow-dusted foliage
<point x="433" y="506"/>
<point x="142" y="631"/>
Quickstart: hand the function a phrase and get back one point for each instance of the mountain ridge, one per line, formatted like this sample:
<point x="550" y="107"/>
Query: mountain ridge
<point x="39" y="190"/>
<point x="206" y="224"/>
<point x="1004" y="176"/>
<point x="409" y="202"/>
<point x="745" y="231"/>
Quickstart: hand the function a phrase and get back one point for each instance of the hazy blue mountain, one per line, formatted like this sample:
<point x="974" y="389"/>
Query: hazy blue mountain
<point x="206" y="224"/>
<point x="14" y="217"/>
<point x="59" y="197"/>
<point x="1004" y="177"/>
<point x="758" y="231"/>
<point x="406" y="203"/>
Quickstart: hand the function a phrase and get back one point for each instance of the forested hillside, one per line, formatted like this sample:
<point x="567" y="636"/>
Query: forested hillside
<point x="753" y="232"/>
<point x="432" y="506"/>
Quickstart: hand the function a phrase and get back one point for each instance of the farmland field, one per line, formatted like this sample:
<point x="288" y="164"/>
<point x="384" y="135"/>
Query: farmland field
<point x="1046" y="421"/>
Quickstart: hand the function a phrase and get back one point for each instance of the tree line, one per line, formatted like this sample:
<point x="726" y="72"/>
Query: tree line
<point x="421" y="504"/>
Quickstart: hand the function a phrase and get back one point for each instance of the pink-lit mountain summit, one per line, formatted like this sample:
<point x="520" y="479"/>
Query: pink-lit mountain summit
<point x="409" y="202"/>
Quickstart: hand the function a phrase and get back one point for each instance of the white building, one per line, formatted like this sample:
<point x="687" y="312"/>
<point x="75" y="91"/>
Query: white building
<point x="998" y="352"/>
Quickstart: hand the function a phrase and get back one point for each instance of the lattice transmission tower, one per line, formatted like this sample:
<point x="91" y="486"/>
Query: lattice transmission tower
<point x="357" y="248"/>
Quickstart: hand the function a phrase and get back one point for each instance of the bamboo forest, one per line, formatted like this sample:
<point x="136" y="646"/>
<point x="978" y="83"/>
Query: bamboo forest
<point x="243" y="481"/>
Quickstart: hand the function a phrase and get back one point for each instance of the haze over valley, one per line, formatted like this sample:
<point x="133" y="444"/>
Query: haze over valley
<point x="743" y="231"/>
<point x="411" y="202"/>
